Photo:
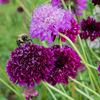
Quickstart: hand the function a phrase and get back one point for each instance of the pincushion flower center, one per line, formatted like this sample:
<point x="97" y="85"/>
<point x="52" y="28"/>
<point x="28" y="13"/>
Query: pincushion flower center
<point x="60" y="61"/>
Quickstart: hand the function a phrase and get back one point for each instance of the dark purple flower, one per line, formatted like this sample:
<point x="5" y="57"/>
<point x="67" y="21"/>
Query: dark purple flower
<point x="29" y="63"/>
<point x="30" y="92"/>
<point x="67" y="63"/>
<point x="99" y="69"/>
<point x="71" y="33"/>
<point x="96" y="2"/>
<point x="77" y="5"/>
<point x="82" y="68"/>
<point x="90" y="28"/>
<point x="20" y="9"/>
<point x="4" y="1"/>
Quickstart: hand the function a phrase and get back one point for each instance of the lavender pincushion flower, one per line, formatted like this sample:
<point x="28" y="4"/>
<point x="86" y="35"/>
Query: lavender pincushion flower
<point x="29" y="63"/>
<point x="77" y="5"/>
<point x="47" y="20"/>
<point x="67" y="63"/>
<point x="4" y="1"/>
<point x="90" y="28"/>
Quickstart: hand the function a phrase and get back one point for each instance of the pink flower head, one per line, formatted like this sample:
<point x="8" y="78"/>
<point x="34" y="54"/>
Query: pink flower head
<point x="77" y="5"/>
<point x="47" y="20"/>
<point x="4" y="1"/>
<point x="30" y="92"/>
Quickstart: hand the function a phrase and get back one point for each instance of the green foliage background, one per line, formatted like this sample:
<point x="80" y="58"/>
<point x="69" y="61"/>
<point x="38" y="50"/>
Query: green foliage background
<point x="13" y="23"/>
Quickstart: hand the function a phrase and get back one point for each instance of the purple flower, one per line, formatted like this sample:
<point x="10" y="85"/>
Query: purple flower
<point x="71" y="33"/>
<point x="29" y="63"/>
<point x="67" y="63"/>
<point x="96" y="2"/>
<point x="30" y="92"/>
<point x="47" y="20"/>
<point x="4" y="1"/>
<point x="20" y="9"/>
<point x="90" y="28"/>
<point x="77" y="5"/>
<point x="99" y="69"/>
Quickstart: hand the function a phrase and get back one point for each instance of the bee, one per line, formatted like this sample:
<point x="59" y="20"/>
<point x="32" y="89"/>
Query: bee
<point x="23" y="39"/>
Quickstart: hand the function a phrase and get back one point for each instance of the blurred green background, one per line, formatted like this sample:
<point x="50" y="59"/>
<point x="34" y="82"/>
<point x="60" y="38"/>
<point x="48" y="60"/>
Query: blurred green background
<point x="13" y="23"/>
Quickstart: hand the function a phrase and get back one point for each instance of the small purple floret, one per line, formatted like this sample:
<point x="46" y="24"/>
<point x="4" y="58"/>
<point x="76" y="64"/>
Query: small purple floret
<point x="20" y="9"/>
<point x="30" y="92"/>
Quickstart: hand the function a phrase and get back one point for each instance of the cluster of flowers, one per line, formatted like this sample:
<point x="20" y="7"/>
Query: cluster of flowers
<point x="49" y="20"/>
<point x="90" y="28"/>
<point x="30" y="63"/>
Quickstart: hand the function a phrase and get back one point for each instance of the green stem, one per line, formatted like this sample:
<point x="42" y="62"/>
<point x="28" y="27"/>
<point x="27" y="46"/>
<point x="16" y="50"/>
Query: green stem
<point x="81" y="59"/>
<point x="64" y="4"/>
<point x="90" y="65"/>
<point x="49" y="90"/>
<point x="81" y="91"/>
<point x="83" y="82"/>
<point x="25" y="9"/>
<point x="60" y="92"/>
<point x="11" y="83"/>
<point x="9" y="87"/>
<point x="62" y="88"/>
<point x="85" y="87"/>
<point x="69" y="6"/>
<point x="60" y="42"/>
<point x="93" y="52"/>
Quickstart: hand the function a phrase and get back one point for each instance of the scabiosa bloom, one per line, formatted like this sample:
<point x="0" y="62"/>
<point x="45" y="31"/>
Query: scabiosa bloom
<point x="77" y="5"/>
<point x="96" y="2"/>
<point x="99" y="69"/>
<point x="67" y="63"/>
<point x="20" y="9"/>
<point x="47" y="20"/>
<point x="29" y="63"/>
<point x="4" y="1"/>
<point x="90" y="28"/>
<point x="30" y="92"/>
<point x="71" y="33"/>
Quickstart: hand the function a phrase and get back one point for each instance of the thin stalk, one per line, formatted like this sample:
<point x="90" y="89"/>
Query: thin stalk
<point x="85" y="87"/>
<point x="60" y="42"/>
<point x="60" y="92"/>
<point x="81" y="92"/>
<point x="11" y="83"/>
<point x="83" y="82"/>
<point x="90" y="65"/>
<point x="64" y="4"/>
<point x="49" y="91"/>
<point x="93" y="52"/>
<point x="81" y="59"/>
<point x="69" y="6"/>
<point x="10" y="87"/>
<point x="62" y="88"/>
<point x="25" y="9"/>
